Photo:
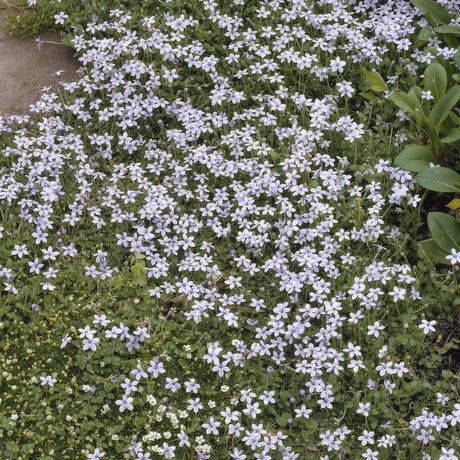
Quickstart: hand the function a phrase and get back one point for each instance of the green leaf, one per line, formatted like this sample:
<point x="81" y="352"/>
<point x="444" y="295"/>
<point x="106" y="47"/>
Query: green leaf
<point x="435" y="80"/>
<point x="119" y="281"/>
<point x="449" y="124"/>
<point x="67" y="42"/>
<point x="443" y="107"/>
<point x="275" y="155"/>
<point x="448" y="30"/>
<point x="139" y="269"/>
<point x="452" y="136"/>
<point x="139" y="281"/>
<point x="376" y="80"/>
<point x="25" y="449"/>
<point x="311" y="425"/>
<point x="423" y="36"/>
<point x="429" y="250"/>
<point x="449" y="35"/>
<point x="447" y="374"/>
<point x="403" y="101"/>
<point x="445" y="230"/>
<point x="456" y="59"/>
<point x="369" y="96"/>
<point x="415" y="158"/>
<point x="433" y="10"/>
<point x="5" y="422"/>
<point x="282" y="420"/>
<point x="439" y="179"/>
<point x="431" y="50"/>
<point x="415" y="95"/>
<point x="410" y="389"/>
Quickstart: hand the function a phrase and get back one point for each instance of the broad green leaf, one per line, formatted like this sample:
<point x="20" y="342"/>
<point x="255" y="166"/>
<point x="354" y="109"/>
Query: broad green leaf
<point x="439" y="179"/>
<point x="449" y="38"/>
<point x="448" y="30"/>
<point x="449" y="124"/>
<point x="415" y="158"/>
<point x="432" y="50"/>
<point x="443" y="107"/>
<point x="376" y="80"/>
<point x="415" y="96"/>
<point x="454" y="204"/>
<point x="452" y="136"/>
<point x="456" y="59"/>
<point x="445" y="230"/>
<point x="433" y="9"/>
<point x="423" y="36"/>
<point x="369" y="96"/>
<point x="435" y="80"/>
<point x="429" y="250"/>
<point x="403" y="101"/>
<point x="420" y="111"/>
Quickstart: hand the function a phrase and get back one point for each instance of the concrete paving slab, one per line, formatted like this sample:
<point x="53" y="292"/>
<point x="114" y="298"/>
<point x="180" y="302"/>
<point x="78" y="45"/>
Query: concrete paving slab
<point x="25" y="69"/>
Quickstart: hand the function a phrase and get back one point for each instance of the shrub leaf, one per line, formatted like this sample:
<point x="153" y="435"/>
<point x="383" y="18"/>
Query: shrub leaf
<point x="433" y="9"/>
<point x="403" y="101"/>
<point x="452" y="136"/>
<point x="376" y="80"/>
<point x="443" y="107"/>
<point x="455" y="30"/>
<point x="439" y="179"/>
<point x="435" y="80"/>
<point x="429" y="250"/>
<point x="415" y="158"/>
<point x="445" y="230"/>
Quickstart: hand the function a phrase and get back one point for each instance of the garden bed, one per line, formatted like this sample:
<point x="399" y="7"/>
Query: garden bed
<point x="207" y="250"/>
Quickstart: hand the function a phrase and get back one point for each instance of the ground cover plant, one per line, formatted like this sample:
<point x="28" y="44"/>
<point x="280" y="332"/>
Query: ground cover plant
<point x="207" y="250"/>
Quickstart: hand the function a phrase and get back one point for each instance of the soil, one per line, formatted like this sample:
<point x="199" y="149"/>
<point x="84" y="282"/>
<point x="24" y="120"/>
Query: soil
<point x="450" y="334"/>
<point x="25" y="69"/>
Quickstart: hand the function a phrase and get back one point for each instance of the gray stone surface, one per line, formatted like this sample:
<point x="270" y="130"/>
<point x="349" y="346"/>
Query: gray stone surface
<point x="25" y="69"/>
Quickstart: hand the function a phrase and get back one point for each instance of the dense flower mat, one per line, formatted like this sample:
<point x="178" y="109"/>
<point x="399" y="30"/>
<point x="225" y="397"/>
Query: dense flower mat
<point x="200" y="253"/>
